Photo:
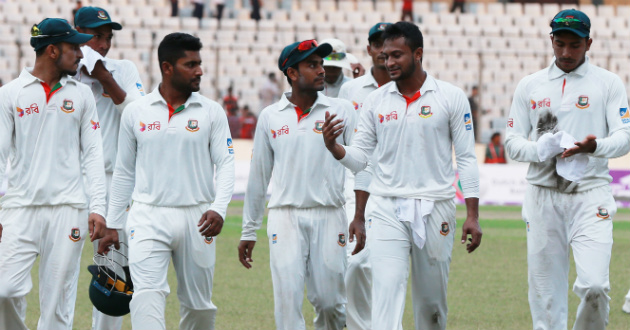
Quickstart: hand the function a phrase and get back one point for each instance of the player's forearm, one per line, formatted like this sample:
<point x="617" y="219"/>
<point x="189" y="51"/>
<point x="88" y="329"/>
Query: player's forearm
<point x="115" y="92"/>
<point x="361" y="198"/>
<point x="521" y="149"/>
<point x="472" y="208"/>
<point x="94" y="165"/>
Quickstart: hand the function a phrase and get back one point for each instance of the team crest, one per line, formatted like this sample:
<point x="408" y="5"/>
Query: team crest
<point x="319" y="125"/>
<point x="425" y="112"/>
<point x="602" y="213"/>
<point x="208" y="239"/>
<point x="445" y="229"/>
<point x="101" y="15"/>
<point x="342" y="239"/>
<point x="67" y="106"/>
<point x="582" y="102"/>
<point x="193" y="125"/>
<point x="75" y="234"/>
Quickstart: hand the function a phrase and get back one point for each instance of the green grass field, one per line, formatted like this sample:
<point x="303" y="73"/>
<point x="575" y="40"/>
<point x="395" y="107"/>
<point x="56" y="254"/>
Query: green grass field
<point x="487" y="290"/>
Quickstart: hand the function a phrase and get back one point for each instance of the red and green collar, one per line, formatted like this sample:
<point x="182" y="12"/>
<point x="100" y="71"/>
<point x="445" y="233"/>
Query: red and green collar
<point x="51" y="91"/>
<point x="302" y="113"/>
<point x="411" y="99"/>
<point x="172" y="111"/>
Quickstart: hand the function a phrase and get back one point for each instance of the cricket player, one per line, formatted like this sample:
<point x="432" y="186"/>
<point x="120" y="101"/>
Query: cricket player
<point x="49" y="131"/>
<point x="411" y="125"/>
<point x="307" y="227"/>
<point x="359" y="273"/>
<point x="169" y="145"/>
<point x="334" y="64"/>
<point x="113" y="88"/>
<point x="575" y="100"/>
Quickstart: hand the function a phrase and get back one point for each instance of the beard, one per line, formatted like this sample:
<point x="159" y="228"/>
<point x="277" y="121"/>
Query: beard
<point x="66" y="71"/>
<point x="404" y="74"/>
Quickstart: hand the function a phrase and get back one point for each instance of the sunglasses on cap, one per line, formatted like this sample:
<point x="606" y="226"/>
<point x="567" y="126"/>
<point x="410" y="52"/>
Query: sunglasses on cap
<point x="302" y="47"/>
<point x="36" y="33"/>
<point x="335" y="57"/>
<point x="572" y="23"/>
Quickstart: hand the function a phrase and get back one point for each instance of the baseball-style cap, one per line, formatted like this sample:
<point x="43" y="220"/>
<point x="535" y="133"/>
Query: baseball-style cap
<point x="54" y="30"/>
<point x="571" y="20"/>
<point x="377" y="29"/>
<point x="93" y="17"/>
<point x="338" y="57"/>
<point x="299" y="51"/>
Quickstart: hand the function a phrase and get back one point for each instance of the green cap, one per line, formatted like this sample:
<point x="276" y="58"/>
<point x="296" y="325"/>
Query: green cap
<point x="299" y="51"/>
<point x="571" y="20"/>
<point x="377" y="29"/>
<point x="55" y="30"/>
<point x="93" y="17"/>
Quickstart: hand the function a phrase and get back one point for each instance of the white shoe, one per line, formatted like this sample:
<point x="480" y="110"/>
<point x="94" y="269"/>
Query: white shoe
<point x="626" y="306"/>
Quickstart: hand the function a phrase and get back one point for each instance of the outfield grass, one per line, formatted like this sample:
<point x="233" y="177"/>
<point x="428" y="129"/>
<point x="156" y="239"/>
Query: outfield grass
<point x="487" y="289"/>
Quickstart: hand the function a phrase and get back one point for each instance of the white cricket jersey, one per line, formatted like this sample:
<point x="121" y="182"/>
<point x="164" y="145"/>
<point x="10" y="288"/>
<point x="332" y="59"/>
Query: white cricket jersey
<point x="43" y="132"/>
<point x="305" y="174"/>
<point x="169" y="160"/>
<point x="332" y="90"/>
<point x="413" y="142"/>
<point x="356" y="91"/>
<point x="588" y="100"/>
<point x="127" y="77"/>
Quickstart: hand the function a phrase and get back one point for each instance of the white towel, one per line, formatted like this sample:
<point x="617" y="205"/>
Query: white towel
<point x="552" y="145"/>
<point x="415" y="211"/>
<point x="90" y="57"/>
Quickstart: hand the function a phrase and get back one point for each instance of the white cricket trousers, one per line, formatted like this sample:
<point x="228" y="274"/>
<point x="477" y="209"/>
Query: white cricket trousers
<point x="155" y="235"/>
<point x="391" y="249"/>
<point x="358" y="277"/>
<point x="56" y="234"/>
<point x="556" y="221"/>
<point x="308" y="246"/>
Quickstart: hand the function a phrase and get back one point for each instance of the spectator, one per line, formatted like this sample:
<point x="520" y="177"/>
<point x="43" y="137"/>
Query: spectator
<point x="269" y="92"/>
<point x="220" y="4"/>
<point x="248" y="123"/>
<point x="230" y="102"/>
<point x="495" y="154"/>
<point x="458" y="4"/>
<point x="234" y="122"/>
<point x="407" y="10"/>
<point x="474" y="110"/>
<point x="334" y="65"/>
<point x="198" y="11"/>
<point x="174" y="8"/>
<point x="255" y="15"/>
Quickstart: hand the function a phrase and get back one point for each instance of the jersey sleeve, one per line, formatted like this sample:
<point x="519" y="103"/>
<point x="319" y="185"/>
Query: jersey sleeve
<point x="7" y="129"/>
<point x="124" y="178"/>
<point x="463" y="137"/>
<point x="92" y="149"/>
<point x="222" y="154"/>
<point x="350" y="122"/>
<point x="364" y="140"/>
<point x="519" y="127"/>
<point x="259" y="176"/>
<point x="131" y="84"/>
<point x="617" y="143"/>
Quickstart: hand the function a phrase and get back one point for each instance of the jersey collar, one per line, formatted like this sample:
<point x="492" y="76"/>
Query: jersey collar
<point x="429" y="85"/>
<point x="26" y="78"/>
<point x="369" y="80"/>
<point x="555" y="72"/>
<point x="156" y="97"/>
<point x="284" y="103"/>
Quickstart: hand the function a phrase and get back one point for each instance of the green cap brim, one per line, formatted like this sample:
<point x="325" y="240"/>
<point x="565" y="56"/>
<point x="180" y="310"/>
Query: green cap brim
<point x="115" y="26"/>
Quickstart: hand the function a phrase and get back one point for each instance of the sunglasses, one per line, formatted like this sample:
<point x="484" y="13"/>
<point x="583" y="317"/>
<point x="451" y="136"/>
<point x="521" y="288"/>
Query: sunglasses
<point x="302" y="47"/>
<point x="36" y="33"/>
<point x="335" y="57"/>
<point x="572" y="23"/>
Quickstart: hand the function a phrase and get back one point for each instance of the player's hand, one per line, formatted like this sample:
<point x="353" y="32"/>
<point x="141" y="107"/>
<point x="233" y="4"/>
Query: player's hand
<point x="588" y="145"/>
<point x="245" y="249"/>
<point x="110" y="238"/>
<point x="96" y="226"/>
<point x="100" y="72"/>
<point x="357" y="229"/>
<point x="471" y="227"/>
<point x="331" y="129"/>
<point x="0" y="232"/>
<point x="357" y="70"/>
<point x="210" y="224"/>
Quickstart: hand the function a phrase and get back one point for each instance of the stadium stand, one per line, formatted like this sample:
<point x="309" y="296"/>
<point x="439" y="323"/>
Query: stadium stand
<point x="493" y="45"/>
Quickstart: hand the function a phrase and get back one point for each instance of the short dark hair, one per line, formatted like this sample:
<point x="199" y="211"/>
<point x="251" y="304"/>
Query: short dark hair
<point x="174" y="46"/>
<point x="409" y="31"/>
<point x="296" y="67"/>
<point x="42" y="50"/>
<point x="495" y="135"/>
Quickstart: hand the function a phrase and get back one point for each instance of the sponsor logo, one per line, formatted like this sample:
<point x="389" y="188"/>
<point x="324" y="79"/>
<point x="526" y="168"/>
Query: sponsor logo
<point x="528" y="226"/>
<point x="510" y="122"/>
<point x="140" y="88"/>
<point x="319" y="125"/>
<point x="445" y="229"/>
<point x="342" y="239"/>
<point x="369" y="223"/>
<point x="28" y="110"/>
<point x="602" y="213"/>
<point x="208" y="239"/>
<point x="356" y="105"/>
<point x="95" y="124"/>
<point x="193" y="125"/>
<point x="533" y="103"/>
<point x="582" y="102"/>
<point x="283" y="131"/>
<point x="274" y="239"/>
<point x="20" y="112"/>
<point x="425" y="111"/>
<point x="150" y="127"/>
<point x="101" y="15"/>
<point x="230" y="146"/>
<point x="544" y="103"/>
<point x="390" y="116"/>
<point x="143" y="127"/>
<point x="67" y="106"/>
<point x="132" y="234"/>
<point x="623" y="112"/>
<point x="380" y="118"/>
<point x="468" y="121"/>
<point x="75" y="234"/>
